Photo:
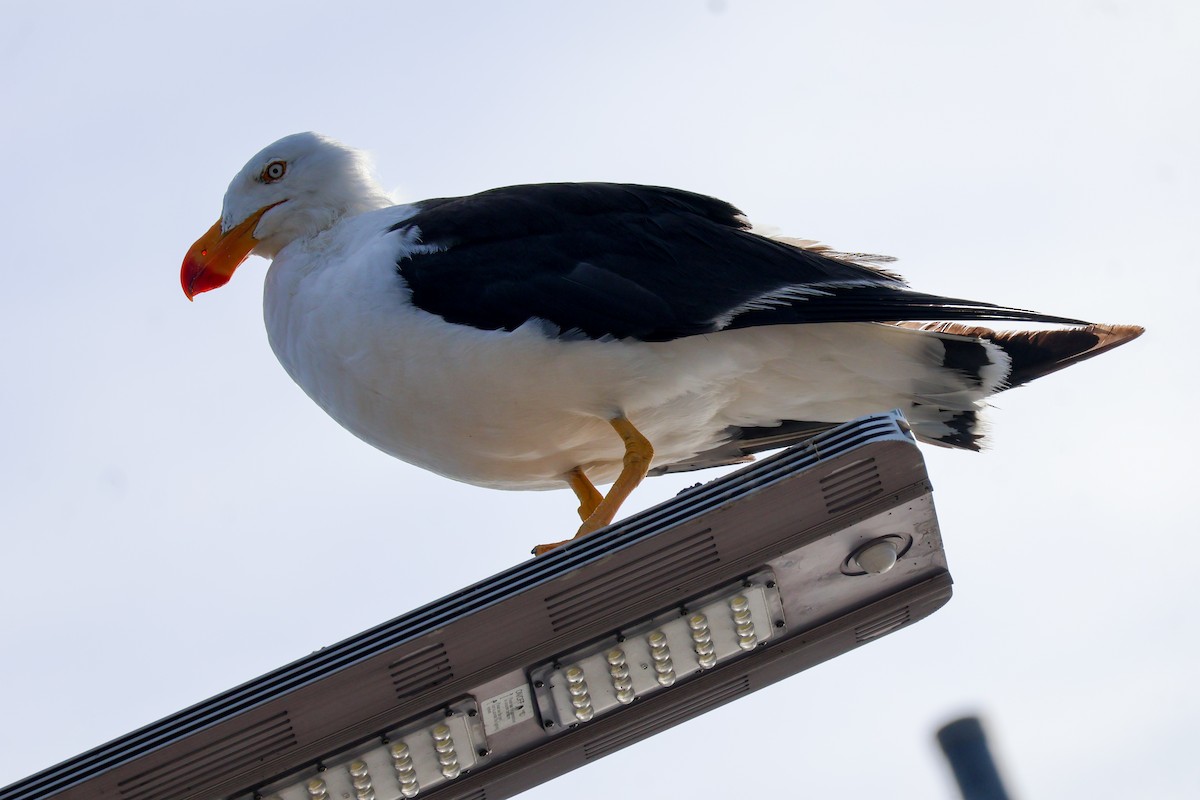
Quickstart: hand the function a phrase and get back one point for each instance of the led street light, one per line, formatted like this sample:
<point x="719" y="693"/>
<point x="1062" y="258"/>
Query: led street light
<point x="565" y="658"/>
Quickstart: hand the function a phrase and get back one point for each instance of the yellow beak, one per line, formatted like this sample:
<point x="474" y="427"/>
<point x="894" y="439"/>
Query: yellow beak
<point x="211" y="261"/>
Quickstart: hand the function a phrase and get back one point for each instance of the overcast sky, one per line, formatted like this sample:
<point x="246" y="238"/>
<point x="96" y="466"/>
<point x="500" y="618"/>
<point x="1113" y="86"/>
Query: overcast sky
<point x="176" y="517"/>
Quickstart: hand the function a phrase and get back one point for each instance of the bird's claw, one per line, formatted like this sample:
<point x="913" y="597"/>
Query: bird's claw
<point x="542" y="549"/>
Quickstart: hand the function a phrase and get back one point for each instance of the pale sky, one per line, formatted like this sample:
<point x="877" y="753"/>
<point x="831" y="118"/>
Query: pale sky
<point x="178" y="518"/>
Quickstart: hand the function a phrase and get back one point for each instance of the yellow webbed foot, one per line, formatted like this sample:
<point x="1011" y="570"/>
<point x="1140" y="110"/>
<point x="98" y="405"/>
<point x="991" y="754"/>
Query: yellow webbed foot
<point x="596" y="511"/>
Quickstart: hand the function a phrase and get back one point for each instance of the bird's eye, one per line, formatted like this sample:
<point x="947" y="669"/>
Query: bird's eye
<point x="273" y="171"/>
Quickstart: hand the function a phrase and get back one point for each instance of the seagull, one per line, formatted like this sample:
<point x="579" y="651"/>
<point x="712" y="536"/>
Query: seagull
<point x="572" y="334"/>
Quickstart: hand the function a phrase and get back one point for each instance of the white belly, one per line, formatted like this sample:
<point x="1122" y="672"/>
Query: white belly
<point x="518" y="410"/>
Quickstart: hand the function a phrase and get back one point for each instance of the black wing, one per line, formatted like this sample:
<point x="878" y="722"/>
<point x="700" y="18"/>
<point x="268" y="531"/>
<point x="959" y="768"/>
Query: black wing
<point x="641" y="262"/>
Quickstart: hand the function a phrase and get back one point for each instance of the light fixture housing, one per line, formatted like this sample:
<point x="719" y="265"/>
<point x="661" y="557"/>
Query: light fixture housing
<point x="565" y="658"/>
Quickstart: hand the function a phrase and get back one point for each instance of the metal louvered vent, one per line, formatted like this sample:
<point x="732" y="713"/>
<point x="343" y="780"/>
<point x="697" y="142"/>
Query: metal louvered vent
<point x="421" y="670"/>
<point x="645" y="726"/>
<point x="607" y="591"/>
<point x="851" y="485"/>
<point x="233" y="751"/>
<point x="478" y="794"/>
<point x="885" y="624"/>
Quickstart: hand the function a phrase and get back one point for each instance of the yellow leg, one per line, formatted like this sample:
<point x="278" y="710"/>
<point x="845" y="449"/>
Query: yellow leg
<point x="589" y="496"/>
<point x="638" y="455"/>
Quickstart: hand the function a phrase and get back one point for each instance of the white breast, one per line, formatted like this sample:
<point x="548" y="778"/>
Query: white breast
<point x="519" y="409"/>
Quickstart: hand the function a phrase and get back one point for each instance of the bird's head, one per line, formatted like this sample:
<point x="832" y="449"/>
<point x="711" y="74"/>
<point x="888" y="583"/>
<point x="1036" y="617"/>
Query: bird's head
<point x="293" y="189"/>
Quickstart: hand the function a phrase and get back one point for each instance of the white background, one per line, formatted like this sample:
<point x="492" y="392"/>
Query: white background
<point x="176" y="517"/>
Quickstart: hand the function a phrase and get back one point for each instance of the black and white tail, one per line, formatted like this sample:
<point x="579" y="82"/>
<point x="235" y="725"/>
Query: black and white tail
<point x="946" y="399"/>
<point x="1022" y="356"/>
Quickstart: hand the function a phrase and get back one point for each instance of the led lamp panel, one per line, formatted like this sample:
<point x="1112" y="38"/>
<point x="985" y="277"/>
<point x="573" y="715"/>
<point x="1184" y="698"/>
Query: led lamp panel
<point x="656" y="654"/>
<point x="565" y="658"/>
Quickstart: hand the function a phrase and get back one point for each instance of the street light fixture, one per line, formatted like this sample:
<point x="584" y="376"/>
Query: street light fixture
<point x="565" y="658"/>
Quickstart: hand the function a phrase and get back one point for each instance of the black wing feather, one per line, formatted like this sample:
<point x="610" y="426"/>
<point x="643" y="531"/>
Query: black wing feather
<point x="642" y="262"/>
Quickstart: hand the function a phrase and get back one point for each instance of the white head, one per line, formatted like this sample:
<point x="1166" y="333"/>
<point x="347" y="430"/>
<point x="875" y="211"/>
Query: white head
<point x="292" y="189"/>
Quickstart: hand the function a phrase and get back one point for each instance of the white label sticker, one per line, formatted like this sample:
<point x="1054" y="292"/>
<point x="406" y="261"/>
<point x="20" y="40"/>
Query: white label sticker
<point x="505" y="710"/>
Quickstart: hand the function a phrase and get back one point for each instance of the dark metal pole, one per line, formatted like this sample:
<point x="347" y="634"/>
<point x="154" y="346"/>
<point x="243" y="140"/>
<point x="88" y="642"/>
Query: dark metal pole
<point x="966" y="748"/>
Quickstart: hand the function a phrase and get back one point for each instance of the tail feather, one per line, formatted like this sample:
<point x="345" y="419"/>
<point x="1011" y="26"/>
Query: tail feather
<point x="970" y="352"/>
<point x="1038" y="353"/>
